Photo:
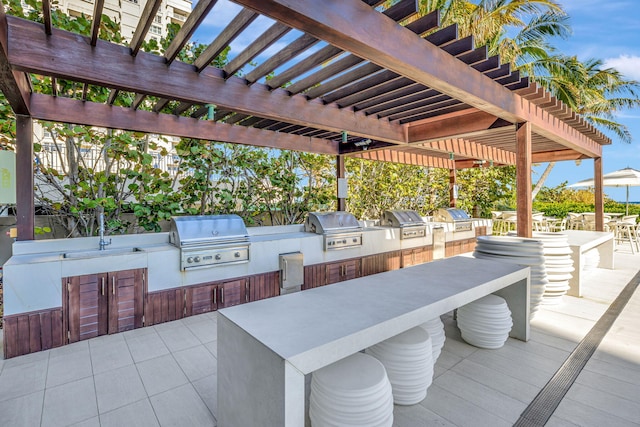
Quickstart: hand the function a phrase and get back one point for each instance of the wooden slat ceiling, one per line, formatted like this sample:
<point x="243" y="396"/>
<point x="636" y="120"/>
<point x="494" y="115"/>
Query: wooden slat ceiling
<point x="314" y="91"/>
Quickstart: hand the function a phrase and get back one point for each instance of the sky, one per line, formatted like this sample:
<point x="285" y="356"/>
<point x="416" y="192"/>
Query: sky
<point x="609" y="31"/>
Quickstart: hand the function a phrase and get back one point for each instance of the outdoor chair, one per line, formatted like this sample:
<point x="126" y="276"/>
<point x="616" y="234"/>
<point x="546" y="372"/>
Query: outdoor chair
<point x="556" y="224"/>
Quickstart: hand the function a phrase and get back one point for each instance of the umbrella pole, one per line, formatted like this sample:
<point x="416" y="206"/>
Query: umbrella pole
<point x="627" y="201"/>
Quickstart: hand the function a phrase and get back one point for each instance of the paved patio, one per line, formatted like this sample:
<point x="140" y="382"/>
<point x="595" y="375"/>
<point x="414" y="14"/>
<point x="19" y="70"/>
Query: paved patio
<point x="166" y="374"/>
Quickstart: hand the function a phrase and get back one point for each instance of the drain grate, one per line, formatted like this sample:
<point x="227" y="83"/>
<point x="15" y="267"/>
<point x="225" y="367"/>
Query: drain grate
<point x="545" y="403"/>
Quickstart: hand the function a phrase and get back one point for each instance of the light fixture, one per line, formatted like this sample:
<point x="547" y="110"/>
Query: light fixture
<point x="344" y="136"/>
<point x="364" y="143"/>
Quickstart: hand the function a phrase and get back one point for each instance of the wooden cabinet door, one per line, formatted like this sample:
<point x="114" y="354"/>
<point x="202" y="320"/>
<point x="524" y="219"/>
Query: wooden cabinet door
<point x="233" y="292"/>
<point x="408" y="258"/>
<point x="378" y="263"/>
<point x="85" y="304"/>
<point x="126" y="300"/>
<point x="263" y="286"/>
<point x="202" y="299"/>
<point x="314" y="276"/>
<point x="341" y="271"/>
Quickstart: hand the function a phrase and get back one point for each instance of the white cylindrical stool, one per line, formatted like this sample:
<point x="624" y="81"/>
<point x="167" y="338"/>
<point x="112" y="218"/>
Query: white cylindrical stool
<point x="486" y="322"/>
<point x="408" y="359"/>
<point x="435" y="329"/>
<point x="354" y="391"/>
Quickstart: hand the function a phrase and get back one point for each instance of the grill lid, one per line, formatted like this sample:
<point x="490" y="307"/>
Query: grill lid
<point x="331" y="222"/>
<point x="187" y="231"/>
<point x="450" y="215"/>
<point x="399" y="218"/>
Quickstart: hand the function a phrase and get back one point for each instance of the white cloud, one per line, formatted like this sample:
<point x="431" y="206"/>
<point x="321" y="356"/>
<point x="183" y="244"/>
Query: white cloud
<point x="628" y="65"/>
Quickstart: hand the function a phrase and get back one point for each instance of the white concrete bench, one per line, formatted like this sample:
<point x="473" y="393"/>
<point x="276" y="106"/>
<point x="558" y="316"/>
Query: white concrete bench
<point x="265" y="348"/>
<point x="582" y="241"/>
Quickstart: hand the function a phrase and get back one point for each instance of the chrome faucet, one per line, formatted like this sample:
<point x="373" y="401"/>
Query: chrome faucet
<point x="102" y="242"/>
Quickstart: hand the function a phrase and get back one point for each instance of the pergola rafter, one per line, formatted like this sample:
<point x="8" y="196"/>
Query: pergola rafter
<point x="421" y="94"/>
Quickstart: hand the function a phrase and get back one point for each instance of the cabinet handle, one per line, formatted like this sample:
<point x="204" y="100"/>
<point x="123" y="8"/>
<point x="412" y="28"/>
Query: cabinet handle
<point x="246" y="291"/>
<point x="102" y="279"/>
<point x="284" y="270"/>
<point x="215" y="295"/>
<point x="113" y="285"/>
<point x="222" y="295"/>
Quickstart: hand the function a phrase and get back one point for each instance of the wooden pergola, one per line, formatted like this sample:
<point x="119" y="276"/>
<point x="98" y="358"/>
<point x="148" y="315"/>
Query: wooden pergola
<point x="355" y="82"/>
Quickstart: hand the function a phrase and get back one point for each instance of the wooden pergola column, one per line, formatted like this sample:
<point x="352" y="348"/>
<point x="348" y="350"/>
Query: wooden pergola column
<point x="598" y="184"/>
<point x="340" y="174"/>
<point x="523" y="179"/>
<point x="25" y="207"/>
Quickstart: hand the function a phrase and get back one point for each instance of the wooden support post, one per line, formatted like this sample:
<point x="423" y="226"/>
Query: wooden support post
<point x="523" y="179"/>
<point x="25" y="208"/>
<point x="598" y="184"/>
<point x="452" y="188"/>
<point x="340" y="174"/>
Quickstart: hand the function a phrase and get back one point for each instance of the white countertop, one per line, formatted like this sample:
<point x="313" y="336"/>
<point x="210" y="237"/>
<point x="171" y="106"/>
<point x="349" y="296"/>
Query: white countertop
<point x="308" y="328"/>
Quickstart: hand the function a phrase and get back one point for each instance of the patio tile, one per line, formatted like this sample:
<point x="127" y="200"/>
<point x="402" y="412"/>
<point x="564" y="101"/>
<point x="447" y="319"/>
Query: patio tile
<point x="26" y="359"/>
<point x="23" y="379"/>
<point x="161" y="374"/>
<point x="138" y="332"/>
<point x="147" y="346"/>
<point x="555" y="421"/>
<point x="181" y="406"/>
<point x="109" y="355"/>
<point x="614" y="370"/>
<point x="206" y="330"/>
<point x="196" y="362"/>
<point x="204" y="317"/>
<point x="69" y="349"/>
<point x="207" y="388"/>
<point x="69" y="403"/>
<point x="538" y="349"/>
<point x="540" y="336"/>
<point x="91" y="422"/>
<point x="586" y="415"/>
<point x="459" y="411"/>
<point x="616" y="387"/>
<point x="168" y="325"/>
<point x="22" y="411"/>
<point x="506" y="366"/>
<point x="70" y="367"/>
<point x="510" y="386"/>
<point x="213" y="348"/>
<point x="606" y="402"/>
<point x="118" y="388"/>
<point x="417" y="415"/>
<point x="447" y="360"/>
<point x="178" y="338"/>
<point x="138" y="414"/>
<point x="487" y="398"/>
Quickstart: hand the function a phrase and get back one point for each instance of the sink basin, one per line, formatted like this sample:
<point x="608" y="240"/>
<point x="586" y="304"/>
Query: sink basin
<point x="98" y="253"/>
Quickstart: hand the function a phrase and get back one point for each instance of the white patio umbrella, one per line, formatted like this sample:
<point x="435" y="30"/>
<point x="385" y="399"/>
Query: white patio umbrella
<point x="627" y="177"/>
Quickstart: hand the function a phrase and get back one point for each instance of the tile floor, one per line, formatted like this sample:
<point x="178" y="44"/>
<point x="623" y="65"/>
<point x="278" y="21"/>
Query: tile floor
<point x="165" y="375"/>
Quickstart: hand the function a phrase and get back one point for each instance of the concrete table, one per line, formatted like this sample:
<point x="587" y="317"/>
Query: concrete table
<point x="580" y="242"/>
<point x="265" y="348"/>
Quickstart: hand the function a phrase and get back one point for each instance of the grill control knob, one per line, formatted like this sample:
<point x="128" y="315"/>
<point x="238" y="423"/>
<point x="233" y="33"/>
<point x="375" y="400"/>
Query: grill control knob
<point x="355" y="240"/>
<point x="189" y="260"/>
<point x="236" y="254"/>
<point x="196" y="259"/>
<point x="344" y="241"/>
<point x="218" y="257"/>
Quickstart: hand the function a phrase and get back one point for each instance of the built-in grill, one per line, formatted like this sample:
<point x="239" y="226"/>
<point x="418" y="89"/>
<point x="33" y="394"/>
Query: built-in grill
<point x="460" y="219"/>
<point x="410" y="223"/>
<point x="209" y="240"/>
<point x="340" y="229"/>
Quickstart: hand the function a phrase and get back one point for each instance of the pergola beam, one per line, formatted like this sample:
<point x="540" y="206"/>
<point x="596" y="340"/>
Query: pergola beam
<point x="66" y="55"/>
<point x="386" y="155"/>
<point x="66" y="110"/>
<point x="13" y="84"/>
<point x="408" y="55"/>
<point x="473" y="150"/>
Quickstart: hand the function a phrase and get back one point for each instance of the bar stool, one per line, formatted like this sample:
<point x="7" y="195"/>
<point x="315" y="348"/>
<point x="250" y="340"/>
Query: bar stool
<point x="486" y="322"/>
<point x="354" y="391"/>
<point x="408" y="359"/>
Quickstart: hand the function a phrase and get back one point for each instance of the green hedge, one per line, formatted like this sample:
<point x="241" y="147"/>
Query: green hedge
<point x="560" y="210"/>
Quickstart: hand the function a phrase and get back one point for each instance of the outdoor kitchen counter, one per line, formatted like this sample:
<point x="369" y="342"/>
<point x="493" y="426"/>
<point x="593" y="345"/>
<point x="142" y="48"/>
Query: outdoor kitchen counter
<point x="266" y="347"/>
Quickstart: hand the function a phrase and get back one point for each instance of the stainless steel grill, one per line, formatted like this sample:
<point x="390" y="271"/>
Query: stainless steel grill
<point x="460" y="219"/>
<point x="340" y="229"/>
<point x="410" y="223"/>
<point x="209" y="240"/>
